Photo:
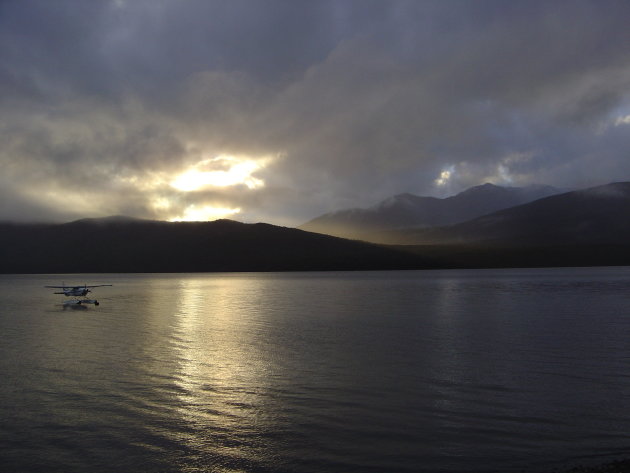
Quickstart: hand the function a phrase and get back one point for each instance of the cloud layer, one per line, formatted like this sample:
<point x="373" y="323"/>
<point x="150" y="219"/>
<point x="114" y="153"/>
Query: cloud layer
<point x="281" y="110"/>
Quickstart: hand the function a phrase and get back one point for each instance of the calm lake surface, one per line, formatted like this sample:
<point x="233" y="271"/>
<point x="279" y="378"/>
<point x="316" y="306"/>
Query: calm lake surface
<point x="418" y="371"/>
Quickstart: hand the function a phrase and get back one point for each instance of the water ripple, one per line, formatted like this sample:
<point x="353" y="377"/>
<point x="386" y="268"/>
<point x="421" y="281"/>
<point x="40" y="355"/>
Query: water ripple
<point x="457" y="372"/>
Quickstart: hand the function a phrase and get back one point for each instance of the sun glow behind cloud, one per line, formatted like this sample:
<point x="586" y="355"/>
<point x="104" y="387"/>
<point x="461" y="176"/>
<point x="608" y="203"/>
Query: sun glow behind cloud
<point x="622" y="120"/>
<point x="222" y="171"/>
<point x="192" y="213"/>
<point x="445" y="176"/>
<point x="202" y="175"/>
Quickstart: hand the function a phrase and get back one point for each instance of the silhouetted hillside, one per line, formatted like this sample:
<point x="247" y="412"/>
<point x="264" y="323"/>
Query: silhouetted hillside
<point x="595" y="216"/>
<point x="129" y="245"/>
<point x="407" y="210"/>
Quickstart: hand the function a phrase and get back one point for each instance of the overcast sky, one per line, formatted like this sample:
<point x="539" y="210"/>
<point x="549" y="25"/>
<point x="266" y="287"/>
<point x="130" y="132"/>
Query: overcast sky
<point x="281" y="110"/>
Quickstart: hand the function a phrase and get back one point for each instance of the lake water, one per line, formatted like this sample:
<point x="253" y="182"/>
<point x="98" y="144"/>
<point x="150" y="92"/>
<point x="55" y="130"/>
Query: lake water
<point x="418" y="371"/>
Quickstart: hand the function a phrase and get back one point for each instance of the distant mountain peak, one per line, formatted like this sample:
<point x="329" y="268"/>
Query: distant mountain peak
<point x="404" y="199"/>
<point x="411" y="211"/>
<point x="488" y="185"/>
<point x="482" y="188"/>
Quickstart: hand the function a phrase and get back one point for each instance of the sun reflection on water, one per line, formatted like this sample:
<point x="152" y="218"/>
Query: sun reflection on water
<point x="222" y="378"/>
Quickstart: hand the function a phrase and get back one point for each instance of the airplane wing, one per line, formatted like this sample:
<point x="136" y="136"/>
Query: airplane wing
<point x="76" y="287"/>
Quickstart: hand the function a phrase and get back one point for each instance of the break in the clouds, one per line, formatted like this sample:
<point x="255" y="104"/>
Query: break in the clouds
<point x="281" y="110"/>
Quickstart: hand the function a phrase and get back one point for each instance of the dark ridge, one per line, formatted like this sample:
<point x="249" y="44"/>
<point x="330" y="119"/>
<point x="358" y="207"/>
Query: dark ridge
<point x="113" y="219"/>
<point x="130" y="245"/>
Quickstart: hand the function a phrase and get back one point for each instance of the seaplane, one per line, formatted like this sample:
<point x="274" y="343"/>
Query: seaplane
<point x="77" y="292"/>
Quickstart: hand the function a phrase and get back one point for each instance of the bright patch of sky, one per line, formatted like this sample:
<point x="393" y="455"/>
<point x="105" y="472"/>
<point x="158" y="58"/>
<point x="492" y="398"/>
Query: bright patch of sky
<point x="625" y="120"/>
<point x="445" y="176"/>
<point x="193" y="213"/>
<point x="202" y="175"/>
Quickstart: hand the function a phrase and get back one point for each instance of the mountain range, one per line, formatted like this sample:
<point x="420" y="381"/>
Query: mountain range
<point x="406" y="211"/>
<point x="589" y="227"/>
<point x="595" y="216"/>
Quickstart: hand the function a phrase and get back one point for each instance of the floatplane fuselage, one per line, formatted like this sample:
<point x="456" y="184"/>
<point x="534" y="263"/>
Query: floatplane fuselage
<point x="76" y="292"/>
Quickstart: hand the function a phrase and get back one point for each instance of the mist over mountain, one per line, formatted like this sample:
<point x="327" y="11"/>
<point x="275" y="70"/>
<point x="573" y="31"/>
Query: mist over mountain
<point x="120" y="244"/>
<point x="411" y="211"/>
<point x="594" y="216"/>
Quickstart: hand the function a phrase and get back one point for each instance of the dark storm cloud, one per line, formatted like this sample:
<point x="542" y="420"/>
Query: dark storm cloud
<point x="342" y="102"/>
